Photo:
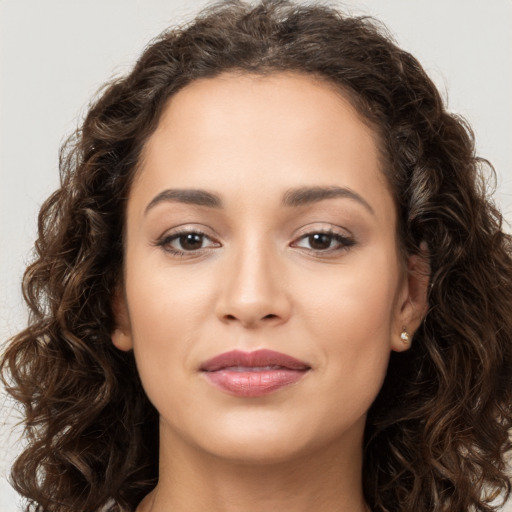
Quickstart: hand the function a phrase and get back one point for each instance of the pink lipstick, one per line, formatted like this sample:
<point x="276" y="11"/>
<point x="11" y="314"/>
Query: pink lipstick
<point x="252" y="374"/>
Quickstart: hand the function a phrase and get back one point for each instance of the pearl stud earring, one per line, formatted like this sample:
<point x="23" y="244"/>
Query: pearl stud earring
<point x="404" y="336"/>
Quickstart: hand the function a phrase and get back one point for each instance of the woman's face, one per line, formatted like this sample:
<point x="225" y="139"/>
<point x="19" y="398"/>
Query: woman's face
<point x="260" y="220"/>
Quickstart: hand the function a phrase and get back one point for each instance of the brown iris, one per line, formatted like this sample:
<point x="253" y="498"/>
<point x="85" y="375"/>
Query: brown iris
<point x="320" y="241"/>
<point x="191" y="241"/>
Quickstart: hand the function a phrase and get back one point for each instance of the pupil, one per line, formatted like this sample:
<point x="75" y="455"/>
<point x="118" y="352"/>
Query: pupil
<point x="320" y="241"/>
<point x="191" y="241"/>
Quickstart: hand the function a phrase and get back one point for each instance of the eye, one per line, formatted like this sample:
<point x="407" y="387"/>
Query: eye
<point x="324" y="241"/>
<point x="186" y="242"/>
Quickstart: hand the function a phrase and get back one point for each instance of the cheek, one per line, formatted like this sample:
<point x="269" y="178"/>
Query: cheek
<point x="360" y="294"/>
<point x="167" y="314"/>
<point x="351" y="313"/>
<point x="165" y="298"/>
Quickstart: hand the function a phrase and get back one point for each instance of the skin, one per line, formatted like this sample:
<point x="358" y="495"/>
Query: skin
<point x="256" y="280"/>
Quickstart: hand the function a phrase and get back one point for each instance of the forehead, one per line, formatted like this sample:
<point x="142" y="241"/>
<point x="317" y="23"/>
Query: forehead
<point x="267" y="132"/>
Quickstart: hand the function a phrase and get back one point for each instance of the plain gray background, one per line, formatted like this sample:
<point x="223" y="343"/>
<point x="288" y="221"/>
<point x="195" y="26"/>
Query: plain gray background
<point x="55" y="54"/>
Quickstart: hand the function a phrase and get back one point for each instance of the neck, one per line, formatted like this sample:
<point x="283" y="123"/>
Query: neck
<point x="327" y="479"/>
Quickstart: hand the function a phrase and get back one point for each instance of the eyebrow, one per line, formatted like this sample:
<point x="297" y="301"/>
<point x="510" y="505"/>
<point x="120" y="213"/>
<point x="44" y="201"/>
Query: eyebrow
<point x="293" y="198"/>
<point x="187" y="196"/>
<point x="308" y="195"/>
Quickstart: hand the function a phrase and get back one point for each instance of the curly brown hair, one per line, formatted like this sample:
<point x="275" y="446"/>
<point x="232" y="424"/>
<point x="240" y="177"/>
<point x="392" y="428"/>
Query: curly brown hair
<point x="437" y="445"/>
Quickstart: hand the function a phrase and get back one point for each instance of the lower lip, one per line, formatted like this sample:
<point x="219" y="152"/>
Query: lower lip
<point x="253" y="383"/>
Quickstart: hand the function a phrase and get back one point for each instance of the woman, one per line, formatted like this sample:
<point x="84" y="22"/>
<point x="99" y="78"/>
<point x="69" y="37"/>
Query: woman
<point x="271" y="279"/>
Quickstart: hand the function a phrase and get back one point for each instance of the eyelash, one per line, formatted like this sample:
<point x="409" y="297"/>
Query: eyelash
<point x="166" y="240"/>
<point x="343" y="242"/>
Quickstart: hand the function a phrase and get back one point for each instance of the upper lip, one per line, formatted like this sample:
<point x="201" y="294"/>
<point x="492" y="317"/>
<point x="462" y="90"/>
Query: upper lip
<point x="257" y="358"/>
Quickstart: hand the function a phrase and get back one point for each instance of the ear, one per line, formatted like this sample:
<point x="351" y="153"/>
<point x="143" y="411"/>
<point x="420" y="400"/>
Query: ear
<point x="413" y="302"/>
<point x="122" y="335"/>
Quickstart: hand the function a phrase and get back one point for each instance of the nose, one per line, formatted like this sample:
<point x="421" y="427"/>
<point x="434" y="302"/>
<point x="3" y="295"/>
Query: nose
<point x="253" y="291"/>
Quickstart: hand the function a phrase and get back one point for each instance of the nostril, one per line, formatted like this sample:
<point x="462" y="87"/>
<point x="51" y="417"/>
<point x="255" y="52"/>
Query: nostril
<point x="270" y="316"/>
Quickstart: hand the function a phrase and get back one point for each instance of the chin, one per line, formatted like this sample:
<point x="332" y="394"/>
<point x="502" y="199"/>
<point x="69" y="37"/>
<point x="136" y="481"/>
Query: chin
<point x="256" y="450"/>
<point x="271" y="439"/>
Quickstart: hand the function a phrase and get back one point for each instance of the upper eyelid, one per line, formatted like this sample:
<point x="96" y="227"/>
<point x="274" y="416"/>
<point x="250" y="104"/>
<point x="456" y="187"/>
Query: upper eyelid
<point x="178" y="234"/>
<point x="323" y="227"/>
<point x="184" y="229"/>
<point x="334" y="234"/>
<point x="304" y="231"/>
<point x="346" y="238"/>
<point x="166" y="242"/>
<point x="173" y="234"/>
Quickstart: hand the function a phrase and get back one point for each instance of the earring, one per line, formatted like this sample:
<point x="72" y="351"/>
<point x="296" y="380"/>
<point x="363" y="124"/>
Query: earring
<point x="404" y="336"/>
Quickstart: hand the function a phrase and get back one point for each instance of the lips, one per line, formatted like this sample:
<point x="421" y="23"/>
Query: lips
<point x="252" y="374"/>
